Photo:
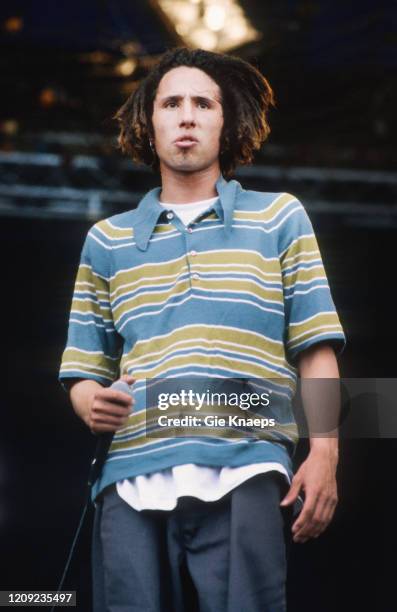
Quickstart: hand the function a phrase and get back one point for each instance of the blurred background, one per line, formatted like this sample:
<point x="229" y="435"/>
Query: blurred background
<point x="66" y="67"/>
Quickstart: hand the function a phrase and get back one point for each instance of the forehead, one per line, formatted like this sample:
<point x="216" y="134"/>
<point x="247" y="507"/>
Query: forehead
<point x="186" y="81"/>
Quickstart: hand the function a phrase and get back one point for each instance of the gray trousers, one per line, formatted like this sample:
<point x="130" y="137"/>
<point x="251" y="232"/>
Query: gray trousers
<point x="234" y="552"/>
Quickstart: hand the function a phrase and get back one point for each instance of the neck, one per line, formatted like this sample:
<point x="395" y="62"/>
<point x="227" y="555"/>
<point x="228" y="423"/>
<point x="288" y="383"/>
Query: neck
<point x="183" y="187"/>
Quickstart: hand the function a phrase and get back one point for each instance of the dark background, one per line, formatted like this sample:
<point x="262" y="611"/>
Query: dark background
<point x="332" y="66"/>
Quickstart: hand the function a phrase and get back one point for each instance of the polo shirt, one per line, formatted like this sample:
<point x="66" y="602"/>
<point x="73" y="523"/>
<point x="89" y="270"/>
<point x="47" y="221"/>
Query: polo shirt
<point x="238" y="293"/>
<point x="161" y="490"/>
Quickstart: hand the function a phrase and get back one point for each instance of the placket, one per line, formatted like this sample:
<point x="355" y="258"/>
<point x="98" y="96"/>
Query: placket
<point x="190" y="247"/>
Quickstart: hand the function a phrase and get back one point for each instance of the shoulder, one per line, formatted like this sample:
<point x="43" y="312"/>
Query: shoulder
<point x="265" y="201"/>
<point x="281" y="214"/>
<point x="271" y="208"/>
<point x="112" y="231"/>
<point x="104" y="236"/>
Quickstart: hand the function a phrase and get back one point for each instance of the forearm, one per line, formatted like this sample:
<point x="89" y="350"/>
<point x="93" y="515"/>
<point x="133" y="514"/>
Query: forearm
<point x="318" y="361"/>
<point x="321" y="399"/>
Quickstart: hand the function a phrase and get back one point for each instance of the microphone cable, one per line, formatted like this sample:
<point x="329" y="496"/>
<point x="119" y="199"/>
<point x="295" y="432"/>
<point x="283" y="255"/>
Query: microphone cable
<point x="97" y="463"/>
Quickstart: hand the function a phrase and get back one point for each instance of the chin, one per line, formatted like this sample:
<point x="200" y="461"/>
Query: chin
<point x="185" y="166"/>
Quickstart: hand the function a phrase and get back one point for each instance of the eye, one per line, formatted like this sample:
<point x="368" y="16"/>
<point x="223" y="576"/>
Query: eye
<point x="203" y="104"/>
<point x="170" y="104"/>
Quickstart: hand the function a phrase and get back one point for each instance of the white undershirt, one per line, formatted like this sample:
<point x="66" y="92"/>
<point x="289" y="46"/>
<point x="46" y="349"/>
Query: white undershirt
<point x="190" y="211"/>
<point x="160" y="490"/>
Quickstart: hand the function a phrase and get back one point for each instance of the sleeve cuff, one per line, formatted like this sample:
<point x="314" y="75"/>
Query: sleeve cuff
<point x="102" y="380"/>
<point x="337" y="342"/>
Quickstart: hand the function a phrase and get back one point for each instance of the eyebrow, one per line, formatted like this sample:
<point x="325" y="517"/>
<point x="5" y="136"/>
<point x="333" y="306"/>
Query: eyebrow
<point x="178" y="98"/>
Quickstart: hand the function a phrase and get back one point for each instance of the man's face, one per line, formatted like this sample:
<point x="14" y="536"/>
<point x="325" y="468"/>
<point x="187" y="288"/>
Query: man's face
<point x="187" y="120"/>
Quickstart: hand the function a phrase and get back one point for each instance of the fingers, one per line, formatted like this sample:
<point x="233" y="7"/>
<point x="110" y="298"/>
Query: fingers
<point x="104" y="421"/>
<point x="113" y="396"/>
<point x="292" y="493"/>
<point x="316" y="514"/>
<point x="102" y="409"/>
<point x="128" y="379"/>
<point x="110" y="410"/>
<point x="98" y="426"/>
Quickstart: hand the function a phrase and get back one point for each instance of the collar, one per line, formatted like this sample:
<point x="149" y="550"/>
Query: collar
<point x="149" y="210"/>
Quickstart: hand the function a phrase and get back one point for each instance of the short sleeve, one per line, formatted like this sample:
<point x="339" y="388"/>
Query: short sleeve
<point x="93" y="348"/>
<point x="310" y="313"/>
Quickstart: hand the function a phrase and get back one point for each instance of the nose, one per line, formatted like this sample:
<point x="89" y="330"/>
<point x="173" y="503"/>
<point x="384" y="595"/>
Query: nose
<point x="187" y="114"/>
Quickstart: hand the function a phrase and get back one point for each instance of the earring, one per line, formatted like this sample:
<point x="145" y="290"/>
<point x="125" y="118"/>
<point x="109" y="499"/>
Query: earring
<point x="151" y="145"/>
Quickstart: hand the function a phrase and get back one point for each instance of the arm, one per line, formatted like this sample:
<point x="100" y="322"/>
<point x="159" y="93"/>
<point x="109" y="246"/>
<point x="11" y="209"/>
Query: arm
<point x="317" y="475"/>
<point x="102" y="409"/>
<point x="91" y="359"/>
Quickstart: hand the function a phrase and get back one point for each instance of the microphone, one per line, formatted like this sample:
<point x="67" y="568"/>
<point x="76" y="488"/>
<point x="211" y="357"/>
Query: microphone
<point x="104" y="440"/>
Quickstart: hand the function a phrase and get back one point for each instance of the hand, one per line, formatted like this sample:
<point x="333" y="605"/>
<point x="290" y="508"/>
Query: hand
<point x="109" y="409"/>
<point x="317" y="477"/>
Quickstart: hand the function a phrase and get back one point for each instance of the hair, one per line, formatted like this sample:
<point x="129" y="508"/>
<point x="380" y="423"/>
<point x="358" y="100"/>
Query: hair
<point x="246" y="100"/>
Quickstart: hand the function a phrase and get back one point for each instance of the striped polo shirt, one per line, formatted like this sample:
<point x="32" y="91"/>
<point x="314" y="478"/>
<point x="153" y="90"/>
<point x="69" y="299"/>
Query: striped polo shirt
<point x="239" y="292"/>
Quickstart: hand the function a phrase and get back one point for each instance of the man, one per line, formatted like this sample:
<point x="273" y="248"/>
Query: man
<point x="203" y="279"/>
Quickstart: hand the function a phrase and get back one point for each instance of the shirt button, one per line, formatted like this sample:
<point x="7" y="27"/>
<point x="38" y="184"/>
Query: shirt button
<point x="193" y="253"/>
<point x="170" y="215"/>
<point x="195" y="276"/>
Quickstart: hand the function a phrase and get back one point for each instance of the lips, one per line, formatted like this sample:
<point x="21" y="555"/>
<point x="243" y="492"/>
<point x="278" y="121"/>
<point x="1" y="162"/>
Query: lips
<point x="186" y="137"/>
<point x="185" y="141"/>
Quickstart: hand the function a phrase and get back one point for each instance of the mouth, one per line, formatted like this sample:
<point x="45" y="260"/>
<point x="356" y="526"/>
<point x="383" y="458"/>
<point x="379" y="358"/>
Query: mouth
<point x="184" y="142"/>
